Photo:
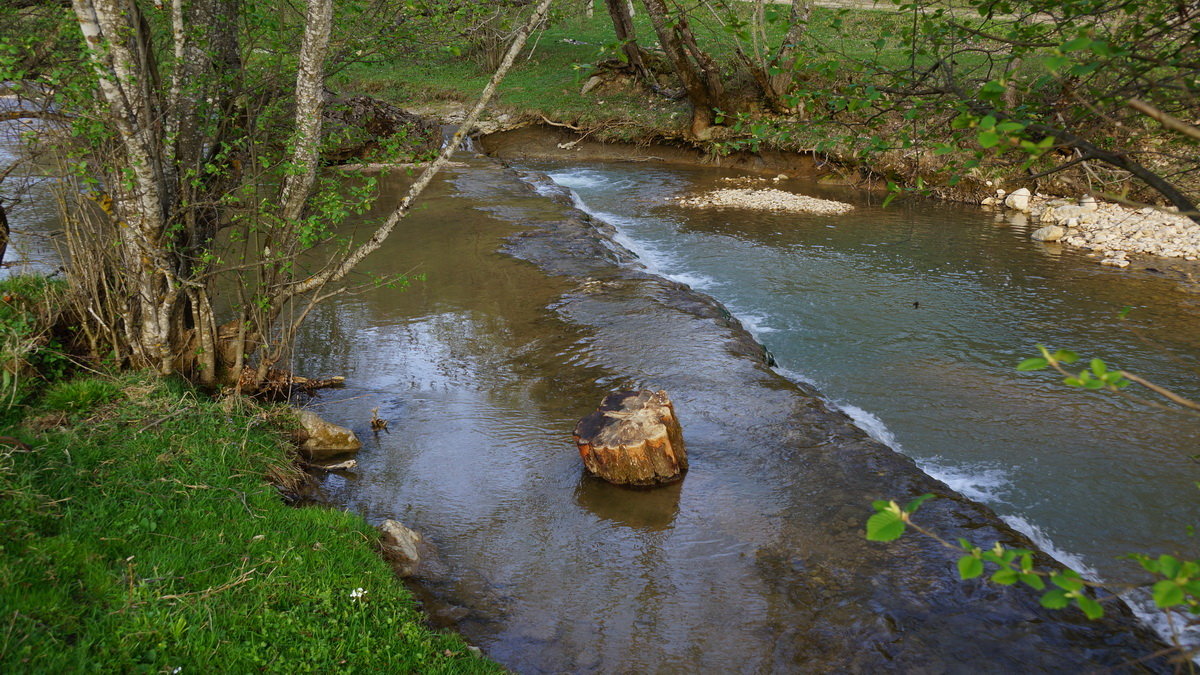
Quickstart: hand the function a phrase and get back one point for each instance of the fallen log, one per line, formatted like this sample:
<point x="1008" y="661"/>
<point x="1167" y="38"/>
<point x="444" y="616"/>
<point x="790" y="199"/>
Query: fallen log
<point x="633" y="438"/>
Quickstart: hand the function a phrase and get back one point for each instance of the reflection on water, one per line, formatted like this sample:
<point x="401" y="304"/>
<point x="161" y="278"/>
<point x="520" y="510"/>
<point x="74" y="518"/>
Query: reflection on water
<point x="755" y="561"/>
<point x="29" y="201"/>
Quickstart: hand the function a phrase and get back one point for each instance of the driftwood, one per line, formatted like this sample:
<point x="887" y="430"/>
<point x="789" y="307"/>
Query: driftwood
<point x="633" y="438"/>
<point x="281" y="384"/>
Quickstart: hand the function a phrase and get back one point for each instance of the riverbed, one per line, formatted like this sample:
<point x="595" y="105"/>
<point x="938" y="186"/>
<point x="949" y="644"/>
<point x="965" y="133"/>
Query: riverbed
<point x="909" y="321"/>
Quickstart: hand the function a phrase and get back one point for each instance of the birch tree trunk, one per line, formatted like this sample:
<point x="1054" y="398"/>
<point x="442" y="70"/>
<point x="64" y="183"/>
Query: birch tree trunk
<point x="117" y="42"/>
<point x="181" y="155"/>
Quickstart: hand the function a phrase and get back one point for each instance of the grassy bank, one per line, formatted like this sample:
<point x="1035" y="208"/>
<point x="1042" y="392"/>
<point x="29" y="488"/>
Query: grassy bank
<point x="849" y="105"/>
<point x="139" y="532"/>
<point x="546" y="82"/>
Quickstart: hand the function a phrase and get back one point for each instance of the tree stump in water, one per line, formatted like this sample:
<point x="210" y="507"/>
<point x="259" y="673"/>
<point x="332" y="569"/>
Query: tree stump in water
<point x="633" y="438"/>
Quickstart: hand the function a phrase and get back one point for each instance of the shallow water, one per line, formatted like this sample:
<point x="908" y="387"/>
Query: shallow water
<point x="29" y="200"/>
<point x="526" y="315"/>
<point x="756" y="560"/>
<point x="912" y="319"/>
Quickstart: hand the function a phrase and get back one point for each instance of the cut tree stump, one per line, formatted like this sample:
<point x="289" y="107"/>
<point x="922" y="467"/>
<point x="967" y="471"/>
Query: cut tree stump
<point x="633" y="438"/>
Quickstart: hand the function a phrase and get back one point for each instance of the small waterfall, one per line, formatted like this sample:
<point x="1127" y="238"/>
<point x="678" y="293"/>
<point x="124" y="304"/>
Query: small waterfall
<point x="467" y="145"/>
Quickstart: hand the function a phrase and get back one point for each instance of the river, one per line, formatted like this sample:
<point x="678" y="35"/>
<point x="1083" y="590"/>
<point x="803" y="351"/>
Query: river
<point x="907" y="319"/>
<point x="910" y="319"/>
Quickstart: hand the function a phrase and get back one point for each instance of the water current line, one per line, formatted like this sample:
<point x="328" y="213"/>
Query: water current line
<point x="985" y="485"/>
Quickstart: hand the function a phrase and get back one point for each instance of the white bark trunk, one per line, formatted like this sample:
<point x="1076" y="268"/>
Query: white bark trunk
<point x="112" y="29"/>
<point x="310" y="101"/>
<point x="338" y="271"/>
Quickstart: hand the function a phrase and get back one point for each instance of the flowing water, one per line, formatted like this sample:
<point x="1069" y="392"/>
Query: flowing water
<point x="523" y="313"/>
<point x="912" y="319"/>
<point x="909" y="318"/>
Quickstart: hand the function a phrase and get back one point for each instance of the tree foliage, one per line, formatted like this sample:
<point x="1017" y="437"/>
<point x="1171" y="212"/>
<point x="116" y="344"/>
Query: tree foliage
<point x="200" y="227"/>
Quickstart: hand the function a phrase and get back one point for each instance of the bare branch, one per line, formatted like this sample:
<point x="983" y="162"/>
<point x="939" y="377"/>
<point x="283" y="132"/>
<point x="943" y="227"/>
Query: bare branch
<point x="1169" y="121"/>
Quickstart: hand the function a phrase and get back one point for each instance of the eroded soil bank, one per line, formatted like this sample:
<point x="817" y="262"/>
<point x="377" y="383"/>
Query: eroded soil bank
<point x="755" y="561"/>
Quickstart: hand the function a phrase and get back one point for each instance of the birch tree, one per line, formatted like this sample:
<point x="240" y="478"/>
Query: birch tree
<point x="194" y="197"/>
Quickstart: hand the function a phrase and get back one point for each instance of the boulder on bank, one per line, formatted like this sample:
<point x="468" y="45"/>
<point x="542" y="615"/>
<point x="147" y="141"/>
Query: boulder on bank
<point x="321" y="440"/>
<point x="633" y="438"/>
<point x="400" y="546"/>
<point x="1018" y="200"/>
<point x="1049" y="233"/>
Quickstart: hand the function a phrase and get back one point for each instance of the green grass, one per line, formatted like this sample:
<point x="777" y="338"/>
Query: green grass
<point x="546" y="81"/>
<point x="140" y="534"/>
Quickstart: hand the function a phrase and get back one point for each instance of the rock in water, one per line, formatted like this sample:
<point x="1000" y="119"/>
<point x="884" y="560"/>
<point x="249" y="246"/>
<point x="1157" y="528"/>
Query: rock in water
<point x="322" y="440"/>
<point x="633" y="438"/>
<point x="1049" y="233"/>
<point x="400" y="546"/>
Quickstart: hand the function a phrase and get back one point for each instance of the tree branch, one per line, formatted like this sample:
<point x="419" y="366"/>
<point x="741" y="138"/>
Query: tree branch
<point x="1169" y="121"/>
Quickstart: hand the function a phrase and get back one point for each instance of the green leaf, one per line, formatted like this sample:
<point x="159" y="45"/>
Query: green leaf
<point x="1098" y="367"/>
<point x="962" y="121"/>
<point x="1067" y="580"/>
<point x="1066" y="356"/>
<point x="987" y="123"/>
<point x="1168" y="566"/>
<point x="1033" y="581"/>
<point x="1090" y="607"/>
<point x="1055" y="62"/>
<point x="969" y="567"/>
<point x="988" y="139"/>
<point x="915" y="504"/>
<point x="1055" y="599"/>
<point x="1149" y="564"/>
<point x="1081" y="42"/>
<point x="1081" y="69"/>
<point x="884" y="526"/>
<point x="1006" y="576"/>
<point x="1033" y="364"/>
<point x="1167" y="593"/>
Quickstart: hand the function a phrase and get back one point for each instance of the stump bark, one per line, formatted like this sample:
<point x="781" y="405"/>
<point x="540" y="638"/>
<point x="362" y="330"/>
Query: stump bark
<point x="633" y="438"/>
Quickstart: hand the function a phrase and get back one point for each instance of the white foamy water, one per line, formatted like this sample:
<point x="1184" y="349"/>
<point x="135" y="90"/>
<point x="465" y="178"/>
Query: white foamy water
<point x="987" y="484"/>
<point x="1046" y="544"/>
<point x="655" y="260"/>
